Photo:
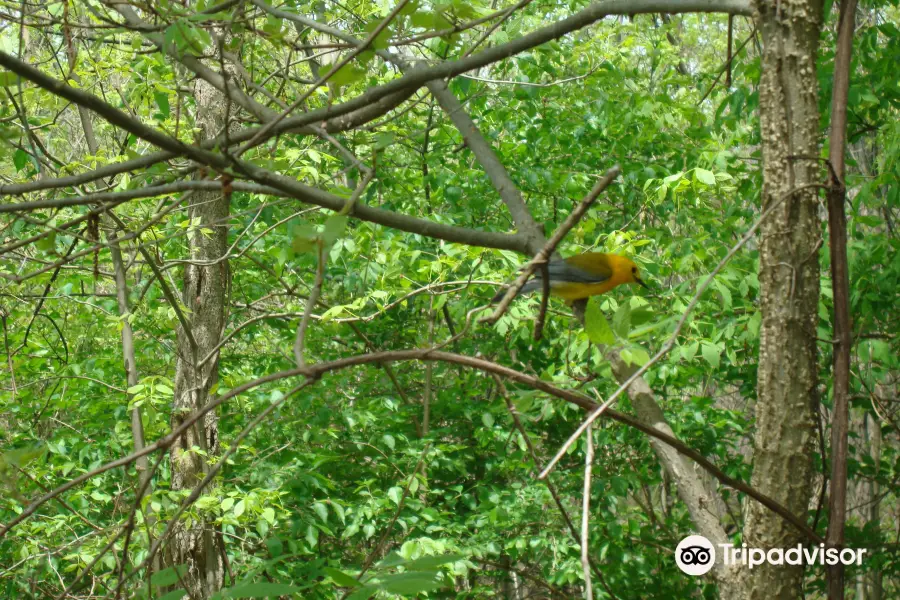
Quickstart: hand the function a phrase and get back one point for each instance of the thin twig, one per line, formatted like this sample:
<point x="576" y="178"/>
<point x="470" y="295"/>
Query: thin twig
<point x="548" y="249"/>
<point x="727" y="65"/>
<point x="545" y="301"/>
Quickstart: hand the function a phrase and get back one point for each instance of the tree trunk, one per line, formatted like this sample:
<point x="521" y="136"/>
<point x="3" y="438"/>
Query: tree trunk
<point x="695" y="488"/>
<point x="206" y="281"/>
<point x="789" y="286"/>
<point x="868" y="496"/>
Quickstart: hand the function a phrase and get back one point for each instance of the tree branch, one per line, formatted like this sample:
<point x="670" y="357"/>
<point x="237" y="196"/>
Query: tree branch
<point x="315" y="372"/>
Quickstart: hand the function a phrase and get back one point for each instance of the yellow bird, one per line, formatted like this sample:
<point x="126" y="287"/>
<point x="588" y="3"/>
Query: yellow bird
<point x="584" y="275"/>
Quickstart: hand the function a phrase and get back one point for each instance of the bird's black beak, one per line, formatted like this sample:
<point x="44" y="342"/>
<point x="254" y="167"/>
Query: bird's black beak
<point x="641" y="283"/>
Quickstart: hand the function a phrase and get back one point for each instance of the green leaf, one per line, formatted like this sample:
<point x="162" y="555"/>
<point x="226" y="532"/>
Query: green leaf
<point x="704" y="176"/>
<point x="305" y="239"/>
<point x="275" y="547"/>
<point x="712" y="354"/>
<point x="239" y="508"/>
<point x="641" y="315"/>
<point x="383" y="140"/>
<point x="339" y="511"/>
<point x="689" y="351"/>
<point x="346" y="75"/>
<point x="391" y="560"/>
<point x="162" y="101"/>
<point x="423" y="19"/>
<point x="753" y="323"/>
<point x="596" y="325"/>
<point x="312" y="536"/>
<point x="453" y="193"/>
<point x="273" y="25"/>
<point x="622" y="320"/>
<point x="321" y="510"/>
<point x="409" y="583"/>
<point x="174" y="595"/>
<point x="47" y="243"/>
<point x="881" y="351"/>
<point x="20" y="159"/>
<point x="726" y="294"/>
<point x="674" y="177"/>
<point x="8" y="79"/>
<point x="488" y="419"/>
<point x="363" y="593"/>
<point x="334" y="227"/>
<point x="432" y="562"/>
<point x="395" y="494"/>
<point x="261" y="590"/>
<point x="168" y="576"/>
<point x="639" y="356"/>
<point x="341" y="578"/>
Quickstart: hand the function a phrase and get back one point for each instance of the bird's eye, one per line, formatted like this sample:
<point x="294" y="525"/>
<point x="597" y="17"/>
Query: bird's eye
<point x="634" y="269"/>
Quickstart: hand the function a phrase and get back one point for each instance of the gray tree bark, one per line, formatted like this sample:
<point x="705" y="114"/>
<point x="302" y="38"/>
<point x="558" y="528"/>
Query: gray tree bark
<point x="696" y="489"/>
<point x="206" y="282"/>
<point x="789" y="287"/>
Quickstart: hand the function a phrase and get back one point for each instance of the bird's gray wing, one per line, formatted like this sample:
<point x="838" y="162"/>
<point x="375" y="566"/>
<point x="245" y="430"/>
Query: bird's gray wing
<point x="560" y="271"/>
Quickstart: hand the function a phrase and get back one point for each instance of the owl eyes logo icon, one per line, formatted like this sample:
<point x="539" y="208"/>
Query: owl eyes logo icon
<point x="695" y="555"/>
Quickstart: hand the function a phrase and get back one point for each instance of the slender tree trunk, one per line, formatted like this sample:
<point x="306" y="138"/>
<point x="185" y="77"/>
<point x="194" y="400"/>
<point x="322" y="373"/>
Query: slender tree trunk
<point x="789" y="286"/>
<point x="867" y="498"/>
<point x="128" y="357"/>
<point x="128" y="354"/>
<point x="206" y="282"/>
<point x="840" y="285"/>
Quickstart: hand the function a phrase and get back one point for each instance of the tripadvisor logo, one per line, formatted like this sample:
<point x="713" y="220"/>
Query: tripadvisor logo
<point x="695" y="555"/>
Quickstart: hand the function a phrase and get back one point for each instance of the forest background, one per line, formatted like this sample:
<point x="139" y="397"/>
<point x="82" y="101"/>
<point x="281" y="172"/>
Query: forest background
<point x="247" y="255"/>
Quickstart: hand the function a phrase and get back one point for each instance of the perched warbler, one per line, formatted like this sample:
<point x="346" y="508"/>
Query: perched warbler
<point x="584" y="275"/>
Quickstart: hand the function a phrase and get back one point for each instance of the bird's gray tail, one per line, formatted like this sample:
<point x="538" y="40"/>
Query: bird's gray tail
<point x="534" y="284"/>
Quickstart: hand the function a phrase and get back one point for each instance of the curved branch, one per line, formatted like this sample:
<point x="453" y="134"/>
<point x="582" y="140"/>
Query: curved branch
<point x="315" y="372"/>
<point x="288" y="185"/>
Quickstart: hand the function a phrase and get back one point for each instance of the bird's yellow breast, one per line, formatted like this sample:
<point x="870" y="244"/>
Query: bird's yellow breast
<point x="577" y="291"/>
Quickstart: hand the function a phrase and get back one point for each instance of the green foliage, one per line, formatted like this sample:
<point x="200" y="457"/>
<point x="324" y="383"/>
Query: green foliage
<point x="318" y="491"/>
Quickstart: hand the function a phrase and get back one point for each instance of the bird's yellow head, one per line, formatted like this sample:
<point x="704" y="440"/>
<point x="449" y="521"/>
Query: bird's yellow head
<point x="628" y="270"/>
